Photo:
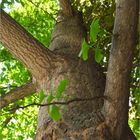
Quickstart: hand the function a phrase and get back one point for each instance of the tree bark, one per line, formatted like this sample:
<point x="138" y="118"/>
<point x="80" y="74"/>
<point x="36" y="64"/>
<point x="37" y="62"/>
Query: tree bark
<point x="120" y="63"/>
<point x="84" y="81"/>
<point x="83" y="120"/>
<point x="25" y="47"/>
<point x="17" y="94"/>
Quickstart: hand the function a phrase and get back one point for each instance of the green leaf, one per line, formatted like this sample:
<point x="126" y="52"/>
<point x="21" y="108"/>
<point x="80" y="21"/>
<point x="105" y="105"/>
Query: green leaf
<point x="94" y="30"/>
<point x="41" y="95"/>
<point x="84" y="51"/>
<point x="50" y="98"/>
<point x="55" y="113"/>
<point x="98" y="55"/>
<point x="61" y="88"/>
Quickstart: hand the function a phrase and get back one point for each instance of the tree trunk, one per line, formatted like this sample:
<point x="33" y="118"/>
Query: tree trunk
<point x="80" y="115"/>
<point x="87" y="117"/>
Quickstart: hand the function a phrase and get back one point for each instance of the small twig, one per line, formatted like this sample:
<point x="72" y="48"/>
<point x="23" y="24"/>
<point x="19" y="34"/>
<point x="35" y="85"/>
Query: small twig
<point x="63" y="103"/>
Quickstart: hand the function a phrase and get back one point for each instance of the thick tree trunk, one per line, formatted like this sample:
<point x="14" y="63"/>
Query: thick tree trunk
<point x="81" y="117"/>
<point x="84" y="119"/>
<point x="85" y="80"/>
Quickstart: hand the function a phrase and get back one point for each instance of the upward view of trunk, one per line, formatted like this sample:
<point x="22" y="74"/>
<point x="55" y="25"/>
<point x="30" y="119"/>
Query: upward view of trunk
<point x="93" y="115"/>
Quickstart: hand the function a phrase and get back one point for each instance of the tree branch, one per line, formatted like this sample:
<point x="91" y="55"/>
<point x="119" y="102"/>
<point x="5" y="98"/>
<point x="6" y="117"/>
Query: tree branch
<point x="119" y="68"/>
<point x="24" y="46"/>
<point x="17" y="94"/>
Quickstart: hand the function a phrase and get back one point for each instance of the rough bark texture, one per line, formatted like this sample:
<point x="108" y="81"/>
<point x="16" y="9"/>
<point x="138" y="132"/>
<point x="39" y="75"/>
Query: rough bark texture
<point x="118" y="76"/>
<point x="24" y="47"/>
<point x="85" y="81"/>
<point x="17" y="94"/>
<point x="83" y="120"/>
<point x="84" y="78"/>
<point x="79" y="115"/>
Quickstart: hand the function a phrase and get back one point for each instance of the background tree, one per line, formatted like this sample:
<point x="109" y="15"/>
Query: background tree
<point x="103" y="11"/>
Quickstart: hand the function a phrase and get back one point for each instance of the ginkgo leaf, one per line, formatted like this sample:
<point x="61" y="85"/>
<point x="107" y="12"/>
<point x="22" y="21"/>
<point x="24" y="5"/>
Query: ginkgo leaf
<point x="50" y="98"/>
<point x="84" y="50"/>
<point x="55" y="113"/>
<point x="94" y="30"/>
<point x="98" y="55"/>
<point x="61" y="88"/>
<point x="41" y="95"/>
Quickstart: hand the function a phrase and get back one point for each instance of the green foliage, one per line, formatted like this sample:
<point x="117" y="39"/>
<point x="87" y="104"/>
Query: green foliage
<point x="135" y="126"/>
<point x="36" y="18"/>
<point x="61" y="88"/>
<point x="94" y="33"/>
<point x="94" y="30"/>
<point x="84" y="50"/>
<point x="5" y="3"/>
<point x="54" y="113"/>
<point x="50" y="98"/>
<point x="54" y="110"/>
<point x="41" y="95"/>
<point x="134" y="110"/>
<point x="98" y="55"/>
<point x="12" y="73"/>
<point x="20" y="124"/>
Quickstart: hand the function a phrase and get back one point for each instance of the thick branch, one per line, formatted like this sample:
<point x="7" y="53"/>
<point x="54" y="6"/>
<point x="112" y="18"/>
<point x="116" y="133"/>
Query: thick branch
<point x="25" y="48"/>
<point x="118" y="76"/>
<point x="17" y="94"/>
